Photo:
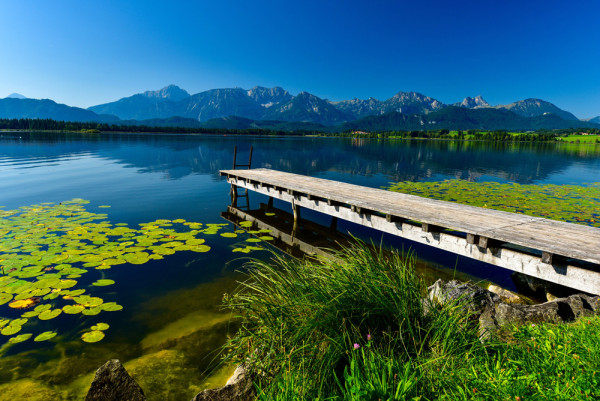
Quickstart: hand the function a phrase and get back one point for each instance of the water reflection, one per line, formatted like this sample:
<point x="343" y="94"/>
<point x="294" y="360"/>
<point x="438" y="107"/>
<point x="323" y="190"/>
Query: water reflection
<point x="310" y="238"/>
<point x="381" y="161"/>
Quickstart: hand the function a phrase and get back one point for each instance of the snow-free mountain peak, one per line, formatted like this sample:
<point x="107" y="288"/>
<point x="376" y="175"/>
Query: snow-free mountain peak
<point x="537" y="107"/>
<point x="473" y="103"/>
<point x="15" y="96"/>
<point x="171" y="92"/>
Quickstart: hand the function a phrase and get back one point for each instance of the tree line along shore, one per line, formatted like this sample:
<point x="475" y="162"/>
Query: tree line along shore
<point x="572" y="135"/>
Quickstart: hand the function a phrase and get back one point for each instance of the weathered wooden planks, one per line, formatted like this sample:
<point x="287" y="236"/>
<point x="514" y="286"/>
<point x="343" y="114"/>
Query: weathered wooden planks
<point x="565" y="239"/>
<point x="488" y="232"/>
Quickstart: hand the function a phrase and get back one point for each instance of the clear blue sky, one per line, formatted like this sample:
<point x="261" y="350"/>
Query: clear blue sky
<point x="84" y="53"/>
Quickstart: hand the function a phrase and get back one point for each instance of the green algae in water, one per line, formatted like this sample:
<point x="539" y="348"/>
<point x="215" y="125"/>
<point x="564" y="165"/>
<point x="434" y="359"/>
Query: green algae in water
<point x="46" y="248"/>
<point x="570" y="203"/>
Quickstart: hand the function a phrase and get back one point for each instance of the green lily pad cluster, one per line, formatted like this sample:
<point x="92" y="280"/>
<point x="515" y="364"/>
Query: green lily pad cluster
<point x="46" y="248"/>
<point x="261" y="237"/>
<point x="570" y="203"/>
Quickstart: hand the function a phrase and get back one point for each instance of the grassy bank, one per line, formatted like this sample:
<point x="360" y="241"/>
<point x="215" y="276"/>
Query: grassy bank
<point x="356" y="329"/>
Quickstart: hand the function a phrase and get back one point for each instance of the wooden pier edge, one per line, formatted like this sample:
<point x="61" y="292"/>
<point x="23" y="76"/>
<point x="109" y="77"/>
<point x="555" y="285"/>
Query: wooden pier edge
<point x="482" y="246"/>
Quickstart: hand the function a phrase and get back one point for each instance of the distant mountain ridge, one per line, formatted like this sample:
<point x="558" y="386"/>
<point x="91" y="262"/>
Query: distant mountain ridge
<point x="455" y="117"/>
<point x="276" y="107"/>
<point x="46" y="108"/>
<point x="275" y="103"/>
<point x="537" y="107"/>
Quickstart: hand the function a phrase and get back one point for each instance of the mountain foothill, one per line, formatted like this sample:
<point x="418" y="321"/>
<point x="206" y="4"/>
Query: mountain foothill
<point x="276" y="108"/>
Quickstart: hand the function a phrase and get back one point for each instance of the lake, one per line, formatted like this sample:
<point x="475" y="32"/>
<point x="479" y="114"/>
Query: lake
<point x="171" y="323"/>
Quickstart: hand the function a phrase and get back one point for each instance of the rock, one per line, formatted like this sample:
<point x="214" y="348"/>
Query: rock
<point x="581" y="305"/>
<point x="474" y="298"/>
<point x="593" y="302"/>
<point x="113" y="383"/>
<point x="506" y="296"/>
<point x="493" y="310"/>
<point x="552" y="312"/>
<point x="239" y="388"/>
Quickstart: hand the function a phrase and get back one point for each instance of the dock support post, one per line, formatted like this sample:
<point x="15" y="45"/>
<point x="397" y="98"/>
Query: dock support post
<point x="234" y="195"/>
<point x="333" y="225"/>
<point x="296" y="210"/>
<point x="270" y="204"/>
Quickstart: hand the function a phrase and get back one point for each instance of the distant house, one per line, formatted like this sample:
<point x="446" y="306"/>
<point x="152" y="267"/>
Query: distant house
<point x="360" y="132"/>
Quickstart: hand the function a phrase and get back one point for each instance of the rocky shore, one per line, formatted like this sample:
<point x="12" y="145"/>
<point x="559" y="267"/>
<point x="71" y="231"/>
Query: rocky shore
<point x="493" y="308"/>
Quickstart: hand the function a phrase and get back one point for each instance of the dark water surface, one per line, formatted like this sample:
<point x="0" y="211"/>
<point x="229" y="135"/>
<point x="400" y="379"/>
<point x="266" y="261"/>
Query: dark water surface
<point x="171" y="321"/>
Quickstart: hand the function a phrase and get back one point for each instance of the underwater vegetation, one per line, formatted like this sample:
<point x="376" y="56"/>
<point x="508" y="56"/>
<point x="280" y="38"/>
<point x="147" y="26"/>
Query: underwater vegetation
<point x="570" y="203"/>
<point x="47" y="249"/>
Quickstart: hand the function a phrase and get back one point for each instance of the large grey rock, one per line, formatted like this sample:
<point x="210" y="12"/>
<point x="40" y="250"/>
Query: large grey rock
<point x="474" y="298"/>
<point x="113" y="383"/>
<point x="239" y="388"/>
<point x="492" y="311"/>
<point x="552" y="312"/>
<point x="505" y="295"/>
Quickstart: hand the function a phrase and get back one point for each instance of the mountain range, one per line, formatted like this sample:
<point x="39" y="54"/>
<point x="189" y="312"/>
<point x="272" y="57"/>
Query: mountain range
<point x="276" y="108"/>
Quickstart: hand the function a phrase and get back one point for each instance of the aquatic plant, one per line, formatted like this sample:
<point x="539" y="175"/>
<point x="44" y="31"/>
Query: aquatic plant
<point x="45" y="250"/>
<point x="570" y="203"/>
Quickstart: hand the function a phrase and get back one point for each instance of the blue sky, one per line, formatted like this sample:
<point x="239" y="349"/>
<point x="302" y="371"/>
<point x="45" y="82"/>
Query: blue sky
<point x="84" y="53"/>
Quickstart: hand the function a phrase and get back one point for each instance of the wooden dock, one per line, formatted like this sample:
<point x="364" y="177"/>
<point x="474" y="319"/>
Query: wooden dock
<point x="563" y="253"/>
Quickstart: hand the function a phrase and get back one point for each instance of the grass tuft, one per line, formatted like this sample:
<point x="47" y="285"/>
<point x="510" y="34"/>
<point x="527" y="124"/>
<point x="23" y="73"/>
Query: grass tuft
<point x="358" y="327"/>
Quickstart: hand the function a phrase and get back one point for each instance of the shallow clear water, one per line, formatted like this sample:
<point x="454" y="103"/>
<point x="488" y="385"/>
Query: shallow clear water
<point x="171" y="322"/>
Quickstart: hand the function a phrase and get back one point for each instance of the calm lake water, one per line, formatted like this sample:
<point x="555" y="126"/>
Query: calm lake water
<point x="171" y="322"/>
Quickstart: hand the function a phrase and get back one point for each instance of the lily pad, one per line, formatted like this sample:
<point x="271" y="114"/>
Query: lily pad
<point x="20" y="338"/>
<point x="103" y="282"/>
<point x="22" y="303"/>
<point x="4" y="298"/>
<point x="45" y="336"/>
<point x="73" y="309"/>
<point x="10" y="330"/>
<point x="65" y="284"/>
<point x="92" y="336"/>
<point x="137" y="258"/>
<point x="111" y="307"/>
<point x="266" y="238"/>
<point x="229" y="235"/>
<point x="91" y="311"/>
<point x="100" y="326"/>
<point x="88" y="301"/>
<point x="30" y="314"/>
<point x="49" y="314"/>
<point x="42" y="308"/>
<point x="200" y="248"/>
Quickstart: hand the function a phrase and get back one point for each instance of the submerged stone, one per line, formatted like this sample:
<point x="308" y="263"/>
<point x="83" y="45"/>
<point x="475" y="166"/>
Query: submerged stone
<point x="239" y="387"/>
<point x="113" y="383"/>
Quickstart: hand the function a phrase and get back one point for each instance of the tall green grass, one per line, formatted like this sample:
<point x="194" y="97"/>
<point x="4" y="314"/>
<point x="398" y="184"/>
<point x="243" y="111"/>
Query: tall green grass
<point x="358" y="327"/>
